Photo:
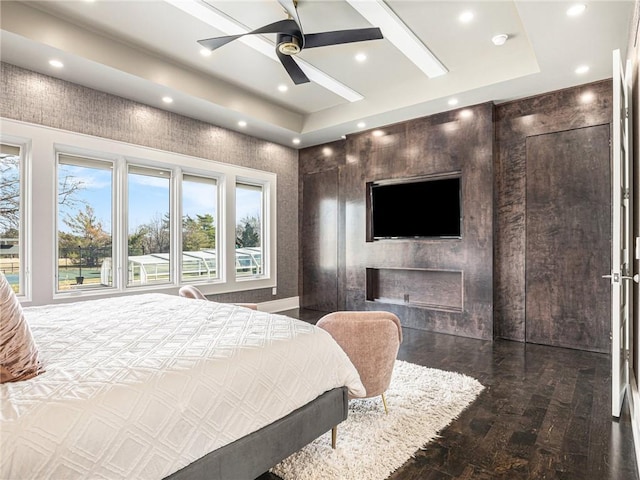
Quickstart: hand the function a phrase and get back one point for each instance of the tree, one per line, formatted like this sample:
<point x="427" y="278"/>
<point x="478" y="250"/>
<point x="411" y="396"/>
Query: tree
<point x="198" y="233"/>
<point x="68" y="187"/>
<point x="248" y="232"/>
<point x="136" y="242"/>
<point x="193" y="238"/>
<point x="87" y="228"/>
<point x="9" y="195"/>
<point x="206" y="223"/>
<point x="86" y="234"/>
<point x="152" y="237"/>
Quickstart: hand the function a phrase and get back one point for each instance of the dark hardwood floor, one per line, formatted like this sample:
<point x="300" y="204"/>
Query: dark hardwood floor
<point x="544" y="413"/>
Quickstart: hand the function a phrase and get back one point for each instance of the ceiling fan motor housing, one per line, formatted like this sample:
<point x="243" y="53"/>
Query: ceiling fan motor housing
<point x="289" y="44"/>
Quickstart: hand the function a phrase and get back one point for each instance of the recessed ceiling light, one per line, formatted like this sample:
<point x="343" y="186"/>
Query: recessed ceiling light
<point x="167" y="99"/>
<point x="361" y="125"/>
<point x="205" y="52"/>
<point x="296" y="141"/>
<point x="500" y="39"/>
<point x="56" y="63"/>
<point x="378" y="13"/>
<point x="577" y="9"/>
<point x="582" y="69"/>
<point x="282" y="88"/>
<point x="453" y="101"/>
<point x="466" y="17"/>
<point x="242" y="123"/>
<point x="361" y="57"/>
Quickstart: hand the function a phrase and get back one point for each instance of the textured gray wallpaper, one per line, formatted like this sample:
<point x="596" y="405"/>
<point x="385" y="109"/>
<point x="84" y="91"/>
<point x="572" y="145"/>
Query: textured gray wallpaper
<point x="35" y="98"/>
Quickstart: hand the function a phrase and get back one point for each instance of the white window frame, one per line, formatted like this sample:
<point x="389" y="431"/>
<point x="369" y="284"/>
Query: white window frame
<point x="220" y="261"/>
<point x="87" y="160"/>
<point x="46" y="142"/>
<point x="124" y="258"/>
<point x="265" y="211"/>
<point x="24" y="232"/>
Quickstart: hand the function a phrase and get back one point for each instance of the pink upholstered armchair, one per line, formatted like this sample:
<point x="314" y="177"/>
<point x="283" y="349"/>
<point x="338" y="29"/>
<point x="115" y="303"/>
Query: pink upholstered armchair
<point x="371" y="341"/>
<point x="189" y="291"/>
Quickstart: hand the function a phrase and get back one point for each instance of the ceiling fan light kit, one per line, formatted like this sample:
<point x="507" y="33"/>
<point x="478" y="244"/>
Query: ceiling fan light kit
<point x="288" y="45"/>
<point x="291" y="39"/>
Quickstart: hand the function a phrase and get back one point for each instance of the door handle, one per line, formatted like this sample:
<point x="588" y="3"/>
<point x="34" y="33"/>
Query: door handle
<point x="617" y="277"/>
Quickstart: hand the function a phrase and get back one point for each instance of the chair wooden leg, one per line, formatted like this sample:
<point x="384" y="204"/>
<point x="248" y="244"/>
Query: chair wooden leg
<point x="384" y="402"/>
<point x="334" y="436"/>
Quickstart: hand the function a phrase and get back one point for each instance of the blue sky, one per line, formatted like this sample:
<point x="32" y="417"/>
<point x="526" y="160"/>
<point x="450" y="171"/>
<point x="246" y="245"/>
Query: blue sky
<point x="148" y="197"/>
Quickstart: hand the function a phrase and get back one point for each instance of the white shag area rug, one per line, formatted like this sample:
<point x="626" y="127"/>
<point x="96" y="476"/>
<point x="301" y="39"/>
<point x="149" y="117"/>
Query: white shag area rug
<point x="372" y="445"/>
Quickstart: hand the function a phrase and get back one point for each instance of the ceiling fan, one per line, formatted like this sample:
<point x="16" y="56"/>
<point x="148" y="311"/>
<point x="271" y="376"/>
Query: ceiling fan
<point x="291" y="39"/>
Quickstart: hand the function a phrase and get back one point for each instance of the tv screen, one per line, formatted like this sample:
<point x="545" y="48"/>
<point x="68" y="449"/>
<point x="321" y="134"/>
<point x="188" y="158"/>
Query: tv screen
<point x="416" y="208"/>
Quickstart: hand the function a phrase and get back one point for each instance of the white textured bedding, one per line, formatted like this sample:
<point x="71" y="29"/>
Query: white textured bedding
<point x="141" y="386"/>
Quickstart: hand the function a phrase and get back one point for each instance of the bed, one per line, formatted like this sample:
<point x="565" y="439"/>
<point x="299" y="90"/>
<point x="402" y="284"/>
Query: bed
<point x="158" y="386"/>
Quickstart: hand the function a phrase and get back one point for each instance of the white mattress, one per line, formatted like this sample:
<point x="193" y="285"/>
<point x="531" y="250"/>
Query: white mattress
<point x="141" y="386"/>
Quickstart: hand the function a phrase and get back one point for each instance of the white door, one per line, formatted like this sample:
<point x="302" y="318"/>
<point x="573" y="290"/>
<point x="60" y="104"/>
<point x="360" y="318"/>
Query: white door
<point x="622" y="237"/>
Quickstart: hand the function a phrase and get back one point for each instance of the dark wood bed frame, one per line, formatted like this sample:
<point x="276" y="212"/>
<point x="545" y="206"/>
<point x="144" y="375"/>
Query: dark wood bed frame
<point x="251" y="456"/>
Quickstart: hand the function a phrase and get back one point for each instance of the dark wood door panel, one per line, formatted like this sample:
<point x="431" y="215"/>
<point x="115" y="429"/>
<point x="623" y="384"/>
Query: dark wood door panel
<point x="568" y="242"/>
<point x="320" y="241"/>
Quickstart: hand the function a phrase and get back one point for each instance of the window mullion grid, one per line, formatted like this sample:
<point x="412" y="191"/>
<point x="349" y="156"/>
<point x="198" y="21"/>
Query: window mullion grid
<point x="25" y="221"/>
<point x="175" y="214"/>
<point x="120" y="224"/>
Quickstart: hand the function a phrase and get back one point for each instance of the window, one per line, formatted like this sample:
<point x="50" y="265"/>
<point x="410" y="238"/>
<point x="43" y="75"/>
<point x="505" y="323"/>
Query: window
<point x="199" y="259"/>
<point x="11" y="216"/>
<point x="149" y="226"/>
<point x="94" y="217"/>
<point x="85" y="219"/>
<point x="249" y="230"/>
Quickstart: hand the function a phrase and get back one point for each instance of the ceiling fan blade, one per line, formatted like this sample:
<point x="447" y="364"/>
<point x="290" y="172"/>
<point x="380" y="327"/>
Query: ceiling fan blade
<point x="288" y="27"/>
<point x="292" y="68"/>
<point x="337" y="37"/>
<point x="217" y="42"/>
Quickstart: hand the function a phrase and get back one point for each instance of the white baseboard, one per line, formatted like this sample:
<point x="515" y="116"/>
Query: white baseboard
<point x="280" y="305"/>
<point x="634" y="408"/>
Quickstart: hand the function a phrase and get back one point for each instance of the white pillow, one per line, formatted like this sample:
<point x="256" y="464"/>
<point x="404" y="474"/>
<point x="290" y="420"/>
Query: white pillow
<point x="18" y="350"/>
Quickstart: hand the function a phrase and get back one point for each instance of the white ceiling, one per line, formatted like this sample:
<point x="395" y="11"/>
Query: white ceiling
<point x="144" y="50"/>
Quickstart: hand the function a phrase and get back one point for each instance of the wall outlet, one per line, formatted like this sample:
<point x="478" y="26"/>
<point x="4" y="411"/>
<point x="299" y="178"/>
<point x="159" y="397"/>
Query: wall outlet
<point x="274" y="291"/>
<point x="406" y="298"/>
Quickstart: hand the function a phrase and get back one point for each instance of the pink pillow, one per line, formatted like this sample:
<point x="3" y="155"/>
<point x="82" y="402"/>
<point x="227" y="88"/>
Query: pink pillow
<point x="18" y="351"/>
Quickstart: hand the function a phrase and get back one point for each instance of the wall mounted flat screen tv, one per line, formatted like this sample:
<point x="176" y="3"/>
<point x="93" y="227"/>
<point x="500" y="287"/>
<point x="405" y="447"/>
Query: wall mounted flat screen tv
<point x="426" y="207"/>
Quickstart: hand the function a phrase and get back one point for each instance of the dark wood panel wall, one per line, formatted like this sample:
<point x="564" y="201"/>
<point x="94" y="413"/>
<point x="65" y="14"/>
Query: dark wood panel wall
<point x="563" y="110"/>
<point x="322" y="227"/>
<point x="460" y="140"/>
<point x="568" y="222"/>
<point x="489" y="147"/>
<point x="320" y="224"/>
